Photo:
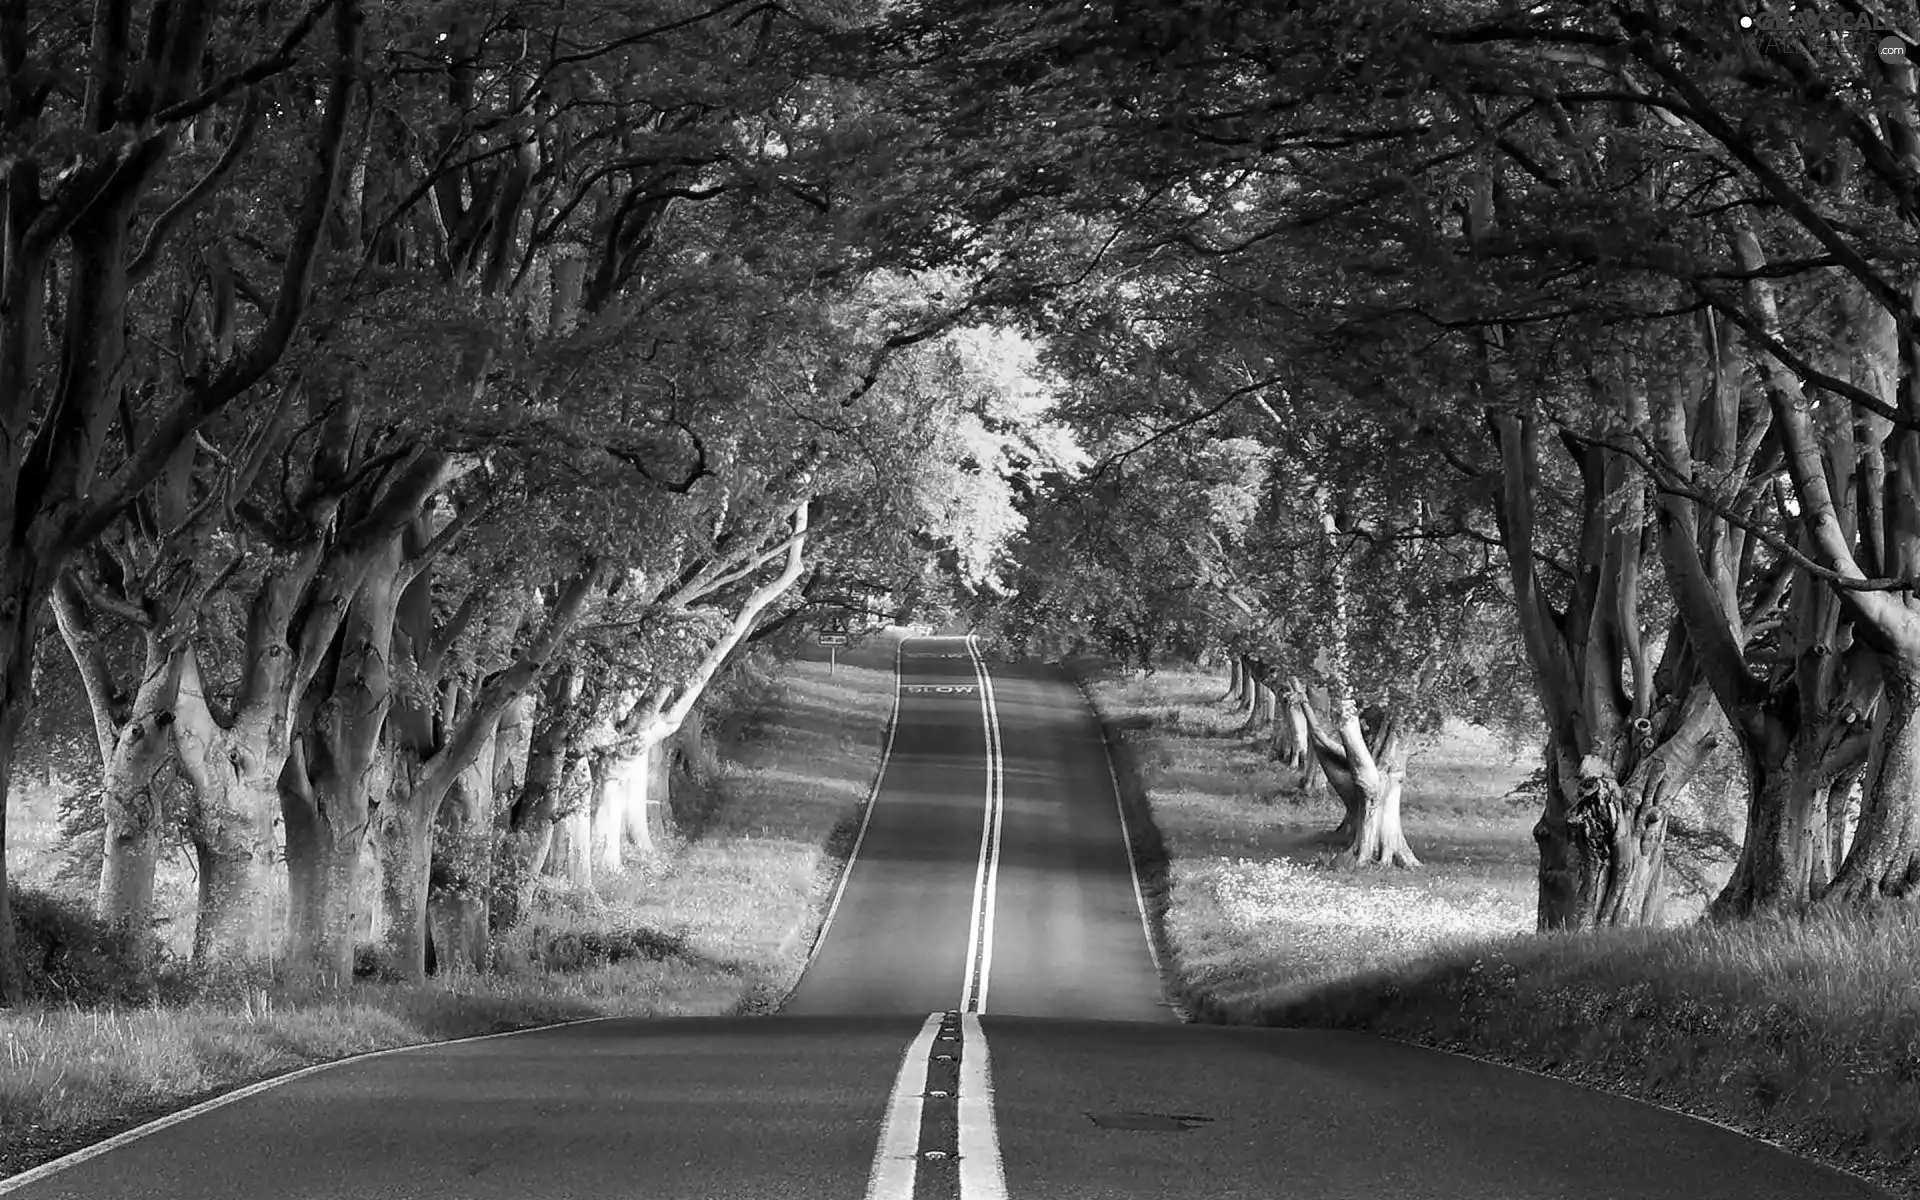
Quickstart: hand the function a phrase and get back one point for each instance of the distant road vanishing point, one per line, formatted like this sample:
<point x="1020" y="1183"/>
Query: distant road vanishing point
<point x="983" y="1017"/>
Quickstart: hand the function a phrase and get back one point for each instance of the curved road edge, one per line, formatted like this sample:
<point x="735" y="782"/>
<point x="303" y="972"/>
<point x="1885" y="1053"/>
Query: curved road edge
<point x="866" y="819"/>
<point x="125" y="1137"/>
<point x="1147" y="851"/>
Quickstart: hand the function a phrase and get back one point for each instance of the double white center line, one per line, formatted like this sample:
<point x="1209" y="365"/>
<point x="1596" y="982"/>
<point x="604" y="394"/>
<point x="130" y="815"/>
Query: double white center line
<point x="973" y="993"/>
<point x="941" y="1110"/>
<point x="941" y="1115"/>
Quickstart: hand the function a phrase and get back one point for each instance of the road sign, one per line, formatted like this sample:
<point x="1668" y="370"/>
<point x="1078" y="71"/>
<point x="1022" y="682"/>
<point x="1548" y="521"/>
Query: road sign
<point x="833" y="637"/>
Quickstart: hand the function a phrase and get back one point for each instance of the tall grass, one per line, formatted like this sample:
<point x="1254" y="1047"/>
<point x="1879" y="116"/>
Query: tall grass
<point x="1803" y="1030"/>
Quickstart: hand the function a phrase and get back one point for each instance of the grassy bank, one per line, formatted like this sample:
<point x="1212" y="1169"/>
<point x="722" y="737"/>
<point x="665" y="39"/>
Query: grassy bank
<point x="1252" y="910"/>
<point x="1805" y="1033"/>
<point x="718" y="923"/>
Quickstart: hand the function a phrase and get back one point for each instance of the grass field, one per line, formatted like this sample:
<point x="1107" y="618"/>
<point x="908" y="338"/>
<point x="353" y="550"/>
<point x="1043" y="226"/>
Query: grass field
<point x="1257" y="912"/>
<point x="721" y="923"/>
<point x="1806" y="1032"/>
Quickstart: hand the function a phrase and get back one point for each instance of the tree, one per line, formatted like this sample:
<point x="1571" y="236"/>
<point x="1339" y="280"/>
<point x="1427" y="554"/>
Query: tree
<point x="85" y="234"/>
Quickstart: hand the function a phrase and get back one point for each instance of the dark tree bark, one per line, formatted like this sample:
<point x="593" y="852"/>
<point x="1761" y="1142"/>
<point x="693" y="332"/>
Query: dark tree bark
<point x="1617" y="754"/>
<point x="1801" y="725"/>
<point x="528" y="837"/>
<point x="54" y="424"/>
<point x="1884" y="860"/>
<point x="432" y="753"/>
<point x="330" y="776"/>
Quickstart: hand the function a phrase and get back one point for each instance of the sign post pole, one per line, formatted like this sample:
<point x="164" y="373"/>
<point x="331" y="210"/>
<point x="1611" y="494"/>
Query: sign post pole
<point x="833" y="639"/>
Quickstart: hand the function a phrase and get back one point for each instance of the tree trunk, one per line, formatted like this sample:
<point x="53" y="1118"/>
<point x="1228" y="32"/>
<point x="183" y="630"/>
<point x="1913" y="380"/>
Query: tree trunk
<point x="17" y="613"/>
<point x="528" y="833"/>
<point x="1377" y="837"/>
<point x="1234" y="670"/>
<point x="233" y="845"/>
<point x="136" y="752"/>
<point x="403" y="844"/>
<point x="1785" y="860"/>
<point x="133" y="800"/>
<point x="1828" y="834"/>
<point x="690" y="746"/>
<point x="627" y="808"/>
<point x="232" y="831"/>
<point x="1775" y="867"/>
<point x="1885" y="857"/>
<point x="234" y="797"/>
<point x="1603" y="841"/>
<point x="517" y="868"/>
<point x="1260" y="712"/>
<point x="1293" y="741"/>
<point x="1884" y="860"/>
<point x="1611" y="710"/>
<point x="334" y="771"/>
<point x="609" y="815"/>
<point x="1366" y="767"/>
<point x="650" y="814"/>
<point x="1834" y="836"/>
<point x="453" y="749"/>
<point x="458" y="921"/>
<point x="462" y="872"/>
<point x="327" y="816"/>
<point x="573" y="844"/>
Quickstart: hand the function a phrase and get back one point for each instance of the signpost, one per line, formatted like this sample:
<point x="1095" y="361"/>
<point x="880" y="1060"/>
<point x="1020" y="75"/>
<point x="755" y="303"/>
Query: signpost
<point x="833" y="639"/>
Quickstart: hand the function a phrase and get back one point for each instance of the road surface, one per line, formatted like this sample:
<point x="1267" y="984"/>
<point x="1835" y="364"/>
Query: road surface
<point x="982" y="1019"/>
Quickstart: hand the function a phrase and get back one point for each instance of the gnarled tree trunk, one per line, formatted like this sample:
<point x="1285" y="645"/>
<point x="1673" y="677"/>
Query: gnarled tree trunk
<point x="334" y="772"/>
<point x="1624" y="734"/>
<point x="573" y="840"/>
<point x="1885" y="858"/>
<point x="402" y="840"/>
<point x="136" y="753"/>
<point x="462" y="875"/>
<point x="1883" y="526"/>
<point x="234" y="774"/>
<point x="1366" y="763"/>
<point x="424" y="856"/>
<point x="529" y="823"/>
<point x="1292" y="736"/>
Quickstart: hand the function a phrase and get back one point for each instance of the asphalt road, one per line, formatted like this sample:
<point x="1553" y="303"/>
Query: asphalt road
<point x="982" y="1019"/>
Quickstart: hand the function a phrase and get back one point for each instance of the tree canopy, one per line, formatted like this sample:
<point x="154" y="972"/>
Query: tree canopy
<point x="407" y="410"/>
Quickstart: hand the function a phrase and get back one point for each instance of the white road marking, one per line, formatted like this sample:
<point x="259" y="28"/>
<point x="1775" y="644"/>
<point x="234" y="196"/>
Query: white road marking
<point x="846" y="872"/>
<point x="981" y="1175"/>
<point x="14" y="1183"/>
<point x="897" y="1156"/>
<point x="989" y="923"/>
<point x="973" y="998"/>
<point x="1126" y="835"/>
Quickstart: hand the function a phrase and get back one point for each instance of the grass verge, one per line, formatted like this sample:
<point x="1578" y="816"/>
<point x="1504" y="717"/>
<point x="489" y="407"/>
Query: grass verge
<point x="1803" y="1032"/>
<point x="719" y="924"/>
